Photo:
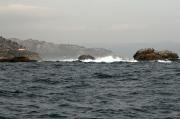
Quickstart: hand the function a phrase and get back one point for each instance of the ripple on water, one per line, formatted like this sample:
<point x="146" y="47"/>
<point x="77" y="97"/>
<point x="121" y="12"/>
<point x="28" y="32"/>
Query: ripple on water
<point x="78" y="90"/>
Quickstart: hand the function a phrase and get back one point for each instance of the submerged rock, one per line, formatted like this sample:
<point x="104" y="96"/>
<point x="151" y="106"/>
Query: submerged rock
<point x="86" y="57"/>
<point x="152" y="54"/>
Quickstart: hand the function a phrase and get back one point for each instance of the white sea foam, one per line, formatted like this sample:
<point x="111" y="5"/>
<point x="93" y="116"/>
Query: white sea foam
<point x="68" y="60"/>
<point x="164" y="61"/>
<point x="61" y="60"/>
<point x="110" y="59"/>
<point x="107" y="59"/>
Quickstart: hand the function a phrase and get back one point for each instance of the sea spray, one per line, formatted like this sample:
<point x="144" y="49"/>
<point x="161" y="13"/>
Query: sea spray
<point x="110" y="59"/>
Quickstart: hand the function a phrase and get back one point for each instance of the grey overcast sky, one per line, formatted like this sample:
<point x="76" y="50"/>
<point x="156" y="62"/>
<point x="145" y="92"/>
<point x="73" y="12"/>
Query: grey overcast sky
<point x="92" y="23"/>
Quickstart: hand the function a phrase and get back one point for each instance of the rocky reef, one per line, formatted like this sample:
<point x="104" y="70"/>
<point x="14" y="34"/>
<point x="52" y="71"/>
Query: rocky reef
<point x="86" y="57"/>
<point x="11" y="51"/>
<point x="152" y="54"/>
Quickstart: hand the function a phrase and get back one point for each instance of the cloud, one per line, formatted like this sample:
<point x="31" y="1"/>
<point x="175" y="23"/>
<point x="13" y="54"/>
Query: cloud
<point x="72" y="28"/>
<point x="103" y="28"/>
<point x="122" y="27"/>
<point x="23" y="9"/>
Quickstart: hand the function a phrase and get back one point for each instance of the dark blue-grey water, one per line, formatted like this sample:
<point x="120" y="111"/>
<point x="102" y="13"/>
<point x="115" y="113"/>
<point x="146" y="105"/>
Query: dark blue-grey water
<point x="75" y="90"/>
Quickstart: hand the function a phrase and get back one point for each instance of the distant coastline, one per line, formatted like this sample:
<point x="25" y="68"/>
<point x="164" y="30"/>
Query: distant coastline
<point x="49" y="51"/>
<point x="16" y="50"/>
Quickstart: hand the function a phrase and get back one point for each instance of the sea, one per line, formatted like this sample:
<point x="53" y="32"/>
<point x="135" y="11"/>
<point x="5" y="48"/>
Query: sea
<point x="107" y="88"/>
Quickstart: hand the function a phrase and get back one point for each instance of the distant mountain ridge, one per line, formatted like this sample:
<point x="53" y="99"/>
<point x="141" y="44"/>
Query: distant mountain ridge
<point x="48" y="50"/>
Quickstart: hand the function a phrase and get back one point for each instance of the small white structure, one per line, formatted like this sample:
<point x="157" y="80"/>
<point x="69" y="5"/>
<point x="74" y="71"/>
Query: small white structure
<point x="21" y="49"/>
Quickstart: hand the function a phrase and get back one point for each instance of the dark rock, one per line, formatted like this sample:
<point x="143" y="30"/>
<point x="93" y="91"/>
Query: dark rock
<point x="152" y="54"/>
<point x="18" y="56"/>
<point x="168" y="55"/>
<point x="17" y="59"/>
<point x="20" y="59"/>
<point x="86" y="57"/>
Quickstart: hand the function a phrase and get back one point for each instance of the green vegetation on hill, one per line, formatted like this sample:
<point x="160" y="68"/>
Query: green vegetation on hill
<point x="10" y="50"/>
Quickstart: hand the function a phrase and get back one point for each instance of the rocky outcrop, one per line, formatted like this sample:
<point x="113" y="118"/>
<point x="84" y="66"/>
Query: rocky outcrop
<point x="16" y="59"/>
<point x="152" y="54"/>
<point x="18" y="56"/>
<point x="11" y="51"/>
<point x="86" y="57"/>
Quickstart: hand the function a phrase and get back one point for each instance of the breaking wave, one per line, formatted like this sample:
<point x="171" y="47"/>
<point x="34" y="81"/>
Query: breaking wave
<point x="107" y="59"/>
<point x="164" y="61"/>
<point x="111" y="59"/>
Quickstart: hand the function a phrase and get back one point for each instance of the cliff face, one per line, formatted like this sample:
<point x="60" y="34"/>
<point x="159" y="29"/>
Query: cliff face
<point x="60" y="51"/>
<point x="10" y="50"/>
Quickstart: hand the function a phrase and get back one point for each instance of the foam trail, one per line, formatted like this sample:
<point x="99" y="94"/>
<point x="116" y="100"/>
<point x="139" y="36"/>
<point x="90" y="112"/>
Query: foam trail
<point x="110" y="59"/>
